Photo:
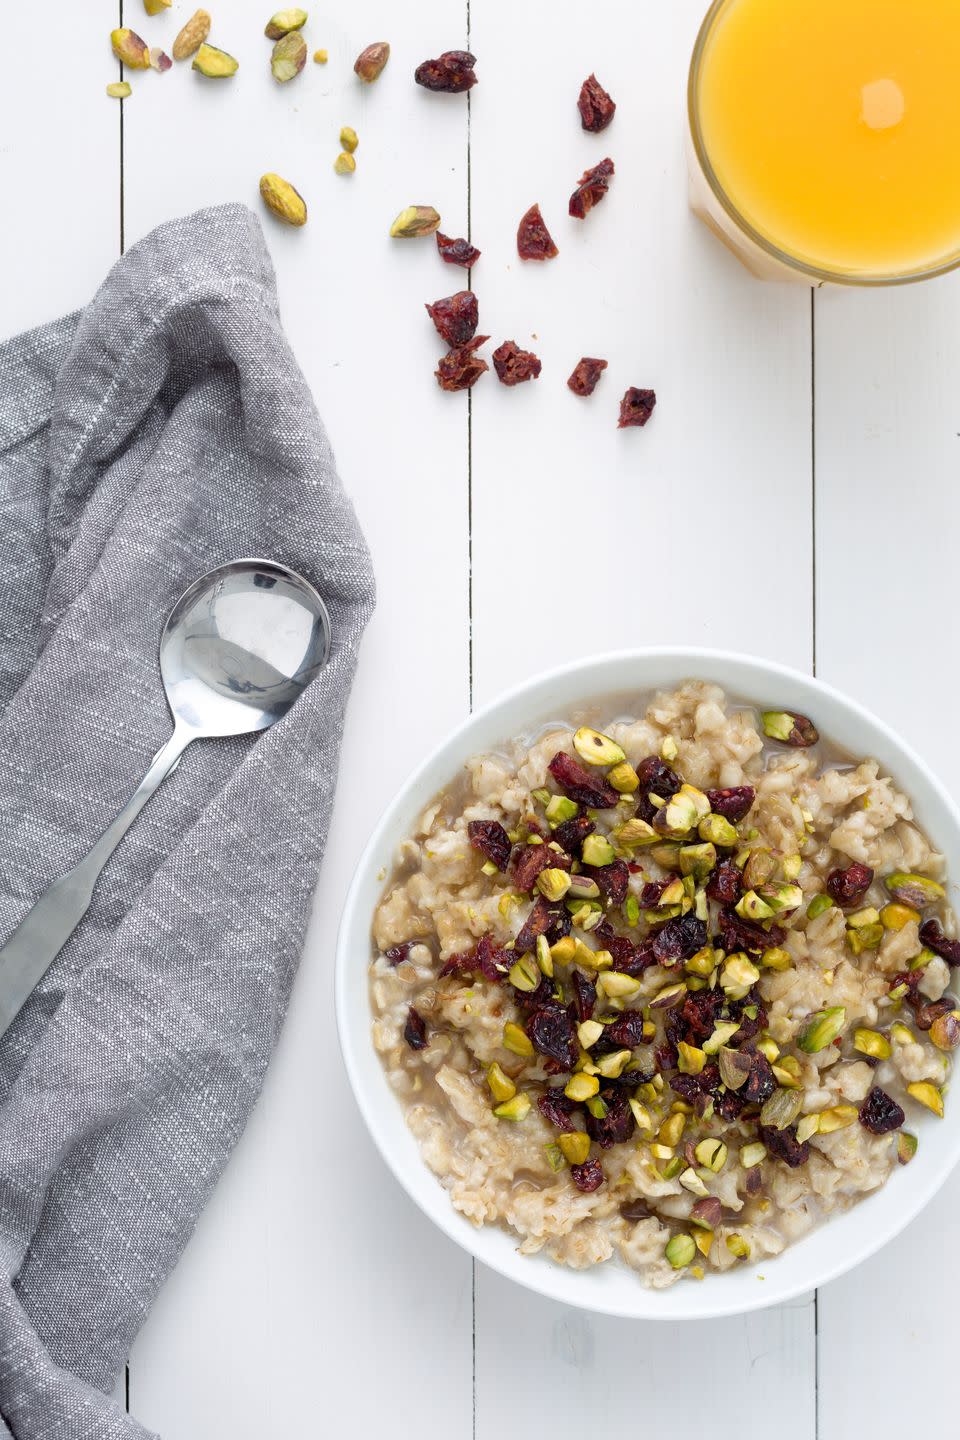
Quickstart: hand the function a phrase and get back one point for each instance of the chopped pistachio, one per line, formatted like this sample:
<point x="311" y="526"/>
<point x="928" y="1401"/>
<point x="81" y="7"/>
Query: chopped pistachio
<point x="866" y="938"/>
<point x="575" y="1146"/>
<point x="580" y="1087"/>
<point x="703" y="1240"/>
<point x="868" y="916"/>
<point x="723" y="1031"/>
<point x="672" y="1129"/>
<point x="215" y="64"/>
<point x="501" y="1086"/>
<point x="776" y="958"/>
<point x="926" y="1094"/>
<point x="871" y="1042"/>
<point x="633" y="833"/>
<point x="697" y="860"/>
<point x="668" y="996"/>
<point x="780" y="897"/>
<point x="488" y="868"/>
<point x="119" y="90"/>
<point x="669" y="749"/>
<point x="128" y="47"/>
<point x="768" y="1047"/>
<point x="717" y="831"/>
<point x="641" y="1114"/>
<point x="901" y="1034"/>
<point x="838" y="1117"/>
<point x="682" y="812"/>
<point x="560" y="808"/>
<point x="516" y="1040"/>
<point x="712" y="1153"/>
<point x="738" y="1246"/>
<point x="344" y="163"/>
<point x="680" y="1251"/>
<point x="616" y="984"/>
<point x="734" y="1067"/>
<point x="583" y="888"/>
<point x="544" y="957"/>
<point x="791" y="865"/>
<point x="597" y="748"/>
<point x="759" y="868"/>
<point x="752" y="907"/>
<point x="659" y="1151"/>
<point x="791" y="1066"/>
<point x="631" y="911"/>
<point x="945" y="1031"/>
<point x="738" y="975"/>
<point x="818" y="904"/>
<point x="807" y="1126"/>
<point x="516" y="1109"/>
<point x="782" y="1108"/>
<point x="597" y="850"/>
<point x="612" y="1066"/>
<point x="894" y="916"/>
<point x="415" y="221"/>
<point x="672" y="1168"/>
<point x="674" y="894"/>
<point x="589" y="1032"/>
<point x="691" y="1058"/>
<point x="554" y="1157"/>
<point x="283" y="22"/>
<point x="320" y="57"/>
<point x="789" y="728"/>
<point x="691" y="1181"/>
<point x="371" y="60"/>
<point x="597" y="1107"/>
<point x="703" y="963"/>
<point x="525" y="974"/>
<point x="279" y="195"/>
<point x="564" y="949"/>
<point x="919" y="962"/>
<point x="624" y="778"/>
<point x="821" y="1029"/>
<point x="916" y="891"/>
<point x="906" y="1147"/>
<point x="192" y="35"/>
<point x="348" y="138"/>
<point x="553" y="884"/>
<point x="752" y="1154"/>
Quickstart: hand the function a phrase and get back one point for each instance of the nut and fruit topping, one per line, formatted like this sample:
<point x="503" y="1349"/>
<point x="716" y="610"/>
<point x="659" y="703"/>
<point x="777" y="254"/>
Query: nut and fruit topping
<point x="821" y="1029"/>
<point x="370" y="62"/>
<point x="636" y="407"/>
<point x="452" y="71"/>
<point x="534" y="241"/>
<point x="280" y="197"/>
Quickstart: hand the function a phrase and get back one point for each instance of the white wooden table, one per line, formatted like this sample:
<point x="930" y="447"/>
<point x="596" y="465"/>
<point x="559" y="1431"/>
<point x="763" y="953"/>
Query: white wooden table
<point x="794" y="496"/>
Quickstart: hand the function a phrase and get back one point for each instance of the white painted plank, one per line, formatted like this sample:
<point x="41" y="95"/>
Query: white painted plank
<point x="888" y="527"/>
<point x="313" y="1289"/>
<point x="59" y="161"/>
<point x="695" y="530"/>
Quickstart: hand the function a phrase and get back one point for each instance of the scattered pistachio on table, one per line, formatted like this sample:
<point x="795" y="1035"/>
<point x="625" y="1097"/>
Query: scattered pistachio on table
<point x="153" y="7"/>
<point x="283" y="200"/>
<point x="344" y="163"/>
<point x="414" y="221"/>
<point x="283" y="22"/>
<point x="159" y="59"/>
<point x="119" y="90"/>
<point x="348" y="138"/>
<point x="370" y="62"/>
<point x="320" y="57"/>
<point x="192" y="35"/>
<point x="215" y="64"/>
<point x="289" y="57"/>
<point x="130" y="49"/>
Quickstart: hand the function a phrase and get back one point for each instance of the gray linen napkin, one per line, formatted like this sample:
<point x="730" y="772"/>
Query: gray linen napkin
<point x="160" y="432"/>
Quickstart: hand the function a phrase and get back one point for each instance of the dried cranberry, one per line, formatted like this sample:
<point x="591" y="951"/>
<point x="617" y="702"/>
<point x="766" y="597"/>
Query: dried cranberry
<point x="678" y="939"/>
<point x="452" y="72"/>
<point x="595" y="106"/>
<point x="591" y="188"/>
<point x="457" y="252"/>
<point x="933" y="937"/>
<point x="534" y="241"/>
<point x="665" y="1056"/>
<point x="580" y="785"/>
<point x="726" y="883"/>
<point x="490" y="838"/>
<point x="584" y="996"/>
<point x="557" y="1109"/>
<point x="655" y="774"/>
<point x="753" y="1180"/>
<point x="586" y="373"/>
<point x="760" y="1083"/>
<point x="784" y="1145"/>
<point x="617" y="1125"/>
<point x="513" y="365"/>
<point x="848" y="887"/>
<point x="612" y="879"/>
<point x="729" y="1106"/>
<point x="553" y="1033"/>
<point x="879" y="1114"/>
<point x="543" y="998"/>
<point x="732" y="804"/>
<point x="415" y="1030"/>
<point x="749" y="1025"/>
<point x="460" y="367"/>
<point x="570" y="834"/>
<point x="540" y="921"/>
<point x="626" y="1032"/>
<point x="636" y="407"/>
<point x="652" y="893"/>
<point x="529" y="860"/>
<point x="737" y="934"/>
<point x="699" y="1013"/>
<point x="398" y="953"/>
<point x="455" y="317"/>
<point x="487" y="958"/>
<point x="628" y="958"/>
<point x="588" y="1176"/>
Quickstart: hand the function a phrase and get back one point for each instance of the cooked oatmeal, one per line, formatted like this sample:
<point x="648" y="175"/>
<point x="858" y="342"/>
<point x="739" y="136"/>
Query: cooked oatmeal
<point x="670" y="990"/>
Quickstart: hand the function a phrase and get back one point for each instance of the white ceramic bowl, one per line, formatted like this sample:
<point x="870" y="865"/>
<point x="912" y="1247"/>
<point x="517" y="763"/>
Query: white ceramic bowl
<point x="830" y="1249"/>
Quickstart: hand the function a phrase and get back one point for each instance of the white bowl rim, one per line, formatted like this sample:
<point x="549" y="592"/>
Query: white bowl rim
<point x="539" y="1274"/>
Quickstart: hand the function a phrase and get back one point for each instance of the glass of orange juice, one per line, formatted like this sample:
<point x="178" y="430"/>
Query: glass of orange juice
<point x="825" y="137"/>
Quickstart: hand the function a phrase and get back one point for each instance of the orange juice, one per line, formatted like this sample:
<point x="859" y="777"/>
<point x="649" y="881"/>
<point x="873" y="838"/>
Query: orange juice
<point x="829" y="131"/>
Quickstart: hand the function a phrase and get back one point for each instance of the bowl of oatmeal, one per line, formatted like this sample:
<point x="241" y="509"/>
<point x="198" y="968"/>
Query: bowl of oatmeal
<point x="645" y="984"/>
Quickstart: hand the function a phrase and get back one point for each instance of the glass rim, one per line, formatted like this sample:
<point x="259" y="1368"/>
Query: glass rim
<point x="818" y="273"/>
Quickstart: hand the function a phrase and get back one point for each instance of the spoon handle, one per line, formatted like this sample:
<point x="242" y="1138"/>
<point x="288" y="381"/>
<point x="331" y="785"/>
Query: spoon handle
<point x="45" y="929"/>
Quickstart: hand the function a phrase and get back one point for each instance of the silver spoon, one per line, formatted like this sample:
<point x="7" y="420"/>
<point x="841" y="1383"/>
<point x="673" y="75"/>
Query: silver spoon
<point x="238" y="648"/>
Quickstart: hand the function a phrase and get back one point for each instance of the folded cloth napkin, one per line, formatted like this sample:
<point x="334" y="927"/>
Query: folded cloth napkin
<point x="158" y="433"/>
